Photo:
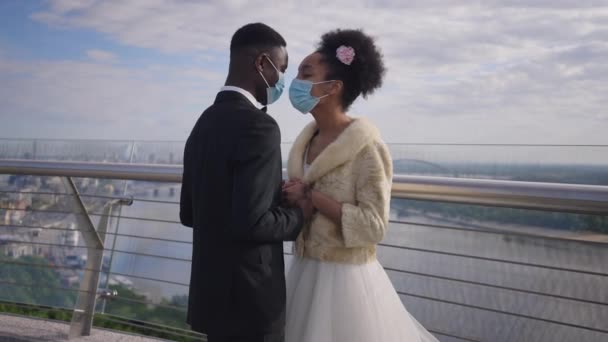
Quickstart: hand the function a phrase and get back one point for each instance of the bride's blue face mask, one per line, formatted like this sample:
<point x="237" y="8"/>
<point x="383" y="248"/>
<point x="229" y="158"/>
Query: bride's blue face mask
<point x="300" y="96"/>
<point x="274" y="93"/>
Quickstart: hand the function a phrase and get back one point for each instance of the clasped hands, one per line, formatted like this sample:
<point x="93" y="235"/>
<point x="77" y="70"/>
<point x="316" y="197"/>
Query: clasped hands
<point x="298" y="194"/>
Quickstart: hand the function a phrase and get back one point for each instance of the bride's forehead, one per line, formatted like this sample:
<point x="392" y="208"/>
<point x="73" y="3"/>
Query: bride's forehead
<point x="311" y="61"/>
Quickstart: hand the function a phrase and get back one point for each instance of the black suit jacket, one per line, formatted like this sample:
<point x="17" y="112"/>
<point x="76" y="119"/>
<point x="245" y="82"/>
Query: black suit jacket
<point x="231" y="191"/>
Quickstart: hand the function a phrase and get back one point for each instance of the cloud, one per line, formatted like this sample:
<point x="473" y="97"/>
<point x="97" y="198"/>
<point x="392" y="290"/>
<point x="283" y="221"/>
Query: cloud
<point x="67" y="6"/>
<point x="101" y="56"/>
<point x="511" y="71"/>
<point x="94" y="93"/>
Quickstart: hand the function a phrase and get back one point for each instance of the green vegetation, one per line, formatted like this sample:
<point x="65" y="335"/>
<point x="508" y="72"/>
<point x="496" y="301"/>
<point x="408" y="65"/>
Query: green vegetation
<point x="132" y="314"/>
<point x="128" y="304"/>
<point x="125" y="313"/>
<point x="596" y="223"/>
<point x="25" y="277"/>
<point x="551" y="173"/>
<point x="101" y="321"/>
<point x="31" y="311"/>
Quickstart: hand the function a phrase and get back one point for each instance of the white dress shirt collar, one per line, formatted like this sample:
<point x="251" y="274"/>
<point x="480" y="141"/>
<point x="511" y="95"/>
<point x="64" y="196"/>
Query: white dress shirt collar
<point x="243" y="92"/>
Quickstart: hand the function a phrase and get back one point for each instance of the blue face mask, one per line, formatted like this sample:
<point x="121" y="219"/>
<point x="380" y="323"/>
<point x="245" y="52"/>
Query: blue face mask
<point x="273" y="93"/>
<point x="300" y="97"/>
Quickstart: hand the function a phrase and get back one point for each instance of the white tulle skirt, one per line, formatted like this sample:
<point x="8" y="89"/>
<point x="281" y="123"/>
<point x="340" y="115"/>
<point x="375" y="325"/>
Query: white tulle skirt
<point x="332" y="302"/>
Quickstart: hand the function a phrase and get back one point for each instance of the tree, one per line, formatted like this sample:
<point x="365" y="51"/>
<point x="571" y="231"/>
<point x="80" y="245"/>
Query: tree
<point x="25" y="279"/>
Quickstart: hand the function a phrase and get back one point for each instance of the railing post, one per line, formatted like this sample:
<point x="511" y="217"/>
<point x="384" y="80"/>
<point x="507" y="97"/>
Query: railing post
<point x="35" y="149"/>
<point x="124" y="193"/>
<point x="103" y="225"/>
<point x="84" y="310"/>
<point x="82" y="318"/>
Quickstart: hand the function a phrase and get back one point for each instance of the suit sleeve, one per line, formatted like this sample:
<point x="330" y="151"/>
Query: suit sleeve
<point x="185" y="203"/>
<point x="256" y="183"/>
<point x="366" y="222"/>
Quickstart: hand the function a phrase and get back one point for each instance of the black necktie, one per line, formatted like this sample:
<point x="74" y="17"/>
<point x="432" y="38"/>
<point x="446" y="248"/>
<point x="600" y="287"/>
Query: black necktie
<point x="264" y="109"/>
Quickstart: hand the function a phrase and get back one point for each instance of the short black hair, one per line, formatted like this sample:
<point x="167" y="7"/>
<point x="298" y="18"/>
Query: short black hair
<point x="365" y="73"/>
<point x="258" y="36"/>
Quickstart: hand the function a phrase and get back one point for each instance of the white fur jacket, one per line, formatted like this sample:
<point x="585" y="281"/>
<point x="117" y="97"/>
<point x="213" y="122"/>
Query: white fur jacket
<point x="355" y="170"/>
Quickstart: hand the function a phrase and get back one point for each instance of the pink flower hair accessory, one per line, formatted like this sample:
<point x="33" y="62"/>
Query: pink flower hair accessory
<point x="345" y="54"/>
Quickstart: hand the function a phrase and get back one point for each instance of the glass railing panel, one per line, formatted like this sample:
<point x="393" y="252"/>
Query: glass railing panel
<point x="67" y="150"/>
<point x="41" y="249"/>
<point x="539" y="163"/>
<point x="149" y="254"/>
<point x="578" y="164"/>
<point x="16" y="149"/>
<point x="161" y="152"/>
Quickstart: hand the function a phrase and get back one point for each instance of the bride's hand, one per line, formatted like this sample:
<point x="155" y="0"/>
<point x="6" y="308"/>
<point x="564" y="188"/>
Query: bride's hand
<point x="290" y="183"/>
<point x="294" y="191"/>
<point x="307" y="208"/>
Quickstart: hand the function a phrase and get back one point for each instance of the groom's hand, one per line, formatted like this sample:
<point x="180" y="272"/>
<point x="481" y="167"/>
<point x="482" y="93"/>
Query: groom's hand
<point x="294" y="191"/>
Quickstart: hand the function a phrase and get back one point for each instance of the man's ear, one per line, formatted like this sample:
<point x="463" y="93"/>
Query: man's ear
<point x="259" y="62"/>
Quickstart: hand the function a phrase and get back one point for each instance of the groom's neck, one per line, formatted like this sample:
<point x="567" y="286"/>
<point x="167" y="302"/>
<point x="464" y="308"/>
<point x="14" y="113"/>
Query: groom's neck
<point x="241" y="82"/>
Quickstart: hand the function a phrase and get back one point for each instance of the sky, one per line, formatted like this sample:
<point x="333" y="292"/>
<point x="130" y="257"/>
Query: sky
<point x="479" y="72"/>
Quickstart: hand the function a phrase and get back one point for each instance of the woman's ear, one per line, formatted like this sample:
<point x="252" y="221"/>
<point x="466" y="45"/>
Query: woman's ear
<point x="336" y="87"/>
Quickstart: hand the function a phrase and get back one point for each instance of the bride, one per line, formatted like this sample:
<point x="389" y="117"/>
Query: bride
<point x="337" y="291"/>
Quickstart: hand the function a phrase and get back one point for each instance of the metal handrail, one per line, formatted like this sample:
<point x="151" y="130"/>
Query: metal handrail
<point x="141" y="172"/>
<point x="572" y="198"/>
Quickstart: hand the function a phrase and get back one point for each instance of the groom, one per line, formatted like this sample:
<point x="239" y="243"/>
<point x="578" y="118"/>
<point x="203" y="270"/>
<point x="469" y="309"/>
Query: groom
<point x="231" y="192"/>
